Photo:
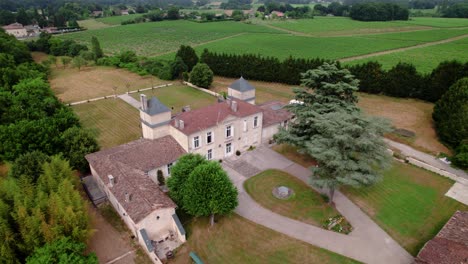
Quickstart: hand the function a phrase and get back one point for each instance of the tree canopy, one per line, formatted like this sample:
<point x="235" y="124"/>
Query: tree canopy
<point x="346" y="144"/>
<point x="201" y="75"/>
<point x="188" y="56"/>
<point x="208" y="191"/>
<point x="62" y="251"/>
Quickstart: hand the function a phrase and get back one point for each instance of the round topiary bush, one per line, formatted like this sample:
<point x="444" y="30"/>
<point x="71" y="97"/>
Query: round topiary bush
<point x="201" y="75"/>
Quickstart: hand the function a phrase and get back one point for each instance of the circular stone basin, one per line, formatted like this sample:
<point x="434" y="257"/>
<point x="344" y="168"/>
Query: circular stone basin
<point x="282" y="192"/>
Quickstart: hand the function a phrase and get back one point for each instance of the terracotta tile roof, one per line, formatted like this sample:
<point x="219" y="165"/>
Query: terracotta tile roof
<point x="203" y="118"/>
<point x="13" y="26"/>
<point x="450" y="246"/>
<point x="274" y="113"/>
<point x="127" y="164"/>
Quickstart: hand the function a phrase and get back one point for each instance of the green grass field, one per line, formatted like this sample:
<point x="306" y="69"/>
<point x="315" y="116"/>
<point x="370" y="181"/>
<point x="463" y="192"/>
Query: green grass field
<point x="425" y="59"/>
<point x="409" y="204"/>
<point x="178" y="96"/>
<point x="116" y="20"/>
<point x="305" y="205"/>
<point x="436" y="22"/>
<point x="234" y="239"/>
<point x="150" y="39"/>
<point x="114" y="121"/>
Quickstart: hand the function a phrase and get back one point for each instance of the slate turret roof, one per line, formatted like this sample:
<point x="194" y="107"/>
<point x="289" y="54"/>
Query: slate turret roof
<point x="156" y="107"/>
<point x="241" y="85"/>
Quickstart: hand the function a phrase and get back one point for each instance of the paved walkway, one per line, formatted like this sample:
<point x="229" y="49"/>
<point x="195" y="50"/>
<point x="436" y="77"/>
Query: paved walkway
<point x="367" y="243"/>
<point x="130" y="100"/>
<point x="429" y="159"/>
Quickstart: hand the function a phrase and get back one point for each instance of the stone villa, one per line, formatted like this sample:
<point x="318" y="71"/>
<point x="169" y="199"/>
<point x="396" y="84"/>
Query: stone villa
<point x="127" y="174"/>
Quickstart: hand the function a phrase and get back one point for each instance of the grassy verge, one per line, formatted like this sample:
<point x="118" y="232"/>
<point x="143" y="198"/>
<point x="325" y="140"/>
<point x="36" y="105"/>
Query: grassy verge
<point x="410" y="204"/>
<point x="305" y="205"/>
<point x="236" y="240"/>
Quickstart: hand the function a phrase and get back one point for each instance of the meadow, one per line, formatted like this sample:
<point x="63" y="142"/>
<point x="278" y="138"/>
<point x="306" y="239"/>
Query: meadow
<point x="425" y="58"/>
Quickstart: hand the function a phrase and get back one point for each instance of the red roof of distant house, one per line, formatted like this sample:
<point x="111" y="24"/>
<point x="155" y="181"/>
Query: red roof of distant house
<point x="13" y="26"/>
<point x="203" y="118"/>
<point x="450" y="246"/>
<point x="278" y="13"/>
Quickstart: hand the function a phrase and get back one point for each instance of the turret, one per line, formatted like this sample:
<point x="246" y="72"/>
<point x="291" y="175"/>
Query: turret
<point x="242" y="90"/>
<point x="155" y="118"/>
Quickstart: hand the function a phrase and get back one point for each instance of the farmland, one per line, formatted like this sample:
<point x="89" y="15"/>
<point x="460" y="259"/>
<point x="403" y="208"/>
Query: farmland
<point x="426" y="58"/>
<point x="151" y="39"/>
<point x="116" y="20"/>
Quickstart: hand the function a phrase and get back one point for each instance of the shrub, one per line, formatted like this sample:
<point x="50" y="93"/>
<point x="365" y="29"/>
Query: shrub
<point x="201" y="75"/>
<point x="461" y="158"/>
<point x="161" y="179"/>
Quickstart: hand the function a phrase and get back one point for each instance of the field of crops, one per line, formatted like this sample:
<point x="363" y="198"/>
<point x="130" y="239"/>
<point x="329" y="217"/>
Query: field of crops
<point x="116" y="20"/>
<point x="426" y="58"/>
<point x="151" y="39"/>
<point x="325" y="37"/>
<point x="330" y="26"/>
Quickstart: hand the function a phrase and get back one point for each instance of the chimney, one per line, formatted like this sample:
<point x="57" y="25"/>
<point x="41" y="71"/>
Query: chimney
<point x="111" y="180"/>
<point x="176" y="122"/>
<point x="234" y="106"/>
<point x="181" y="124"/>
<point x="186" y="108"/>
<point x="144" y="102"/>
<point x="228" y="101"/>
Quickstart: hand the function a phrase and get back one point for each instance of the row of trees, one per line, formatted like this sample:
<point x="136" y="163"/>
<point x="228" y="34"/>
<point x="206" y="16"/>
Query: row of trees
<point x="55" y="46"/>
<point x="31" y="117"/>
<point x="378" y="12"/>
<point x="201" y="187"/>
<point x="260" y="68"/>
<point x="402" y="80"/>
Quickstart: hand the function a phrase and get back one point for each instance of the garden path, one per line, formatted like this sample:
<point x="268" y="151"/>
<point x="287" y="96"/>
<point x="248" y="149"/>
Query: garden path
<point x="367" y="242"/>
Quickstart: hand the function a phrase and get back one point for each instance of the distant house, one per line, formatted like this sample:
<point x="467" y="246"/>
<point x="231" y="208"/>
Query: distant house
<point x="124" y="12"/>
<point x="16" y="29"/>
<point x="127" y="174"/>
<point x="450" y="245"/>
<point x="32" y="30"/>
<point x="50" y="30"/>
<point x="97" y="13"/>
<point x="277" y="14"/>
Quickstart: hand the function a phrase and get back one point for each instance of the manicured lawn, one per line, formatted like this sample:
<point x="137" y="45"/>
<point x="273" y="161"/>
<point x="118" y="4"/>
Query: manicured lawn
<point x="178" y="96"/>
<point x="114" y="121"/>
<point x="234" y="239"/>
<point x="305" y="205"/>
<point x="150" y="39"/>
<point x="409" y="204"/>
<point x="71" y="85"/>
<point x="425" y="59"/>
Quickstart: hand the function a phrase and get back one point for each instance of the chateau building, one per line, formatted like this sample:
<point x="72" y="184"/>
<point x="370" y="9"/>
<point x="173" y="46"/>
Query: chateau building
<point x="127" y="174"/>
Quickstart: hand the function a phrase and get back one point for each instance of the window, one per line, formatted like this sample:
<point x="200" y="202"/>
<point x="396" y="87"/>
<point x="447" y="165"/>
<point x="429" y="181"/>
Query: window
<point x="209" y="137"/>
<point x="229" y="131"/>
<point x="228" y="148"/>
<point x="169" y="168"/>
<point x="255" y="121"/>
<point x="196" y="142"/>
<point x="209" y="155"/>
<point x="245" y="125"/>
